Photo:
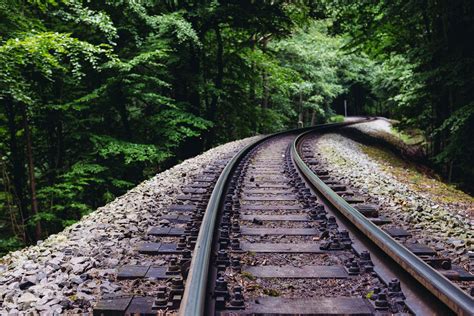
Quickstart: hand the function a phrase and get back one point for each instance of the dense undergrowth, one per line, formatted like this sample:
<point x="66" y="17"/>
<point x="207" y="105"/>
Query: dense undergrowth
<point x="98" y="95"/>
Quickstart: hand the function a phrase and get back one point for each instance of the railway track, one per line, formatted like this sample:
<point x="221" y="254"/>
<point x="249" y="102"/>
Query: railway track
<point x="273" y="233"/>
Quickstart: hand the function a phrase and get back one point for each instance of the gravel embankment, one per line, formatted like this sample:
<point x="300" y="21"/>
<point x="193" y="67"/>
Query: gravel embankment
<point x="69" y="271"/>
<point x="434" y="213"/>
<point x="381" y="133"/>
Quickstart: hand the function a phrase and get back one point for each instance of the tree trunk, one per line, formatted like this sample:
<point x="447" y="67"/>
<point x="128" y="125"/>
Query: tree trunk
<point x="266" y="89"/>
<point x="300" y="115"/>
<point x="52" y="147"/>
<point x="18" y="166"/>
<point x="194" y="95"/>
<point x="442" y="104"/>
<point x="16" y="229"/>
<point x="61" y="150"/>
<point x="31" y="172"/>
<point x="450" y="170"/>
<point x="220" y="71"/>
<point x="253" y="93"/>
<point x="313" y="118"/>
<point x="212" y="110"/>
<point x="121" y="105"/>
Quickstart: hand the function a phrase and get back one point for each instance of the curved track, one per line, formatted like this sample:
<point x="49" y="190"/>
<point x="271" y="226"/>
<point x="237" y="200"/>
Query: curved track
<point x="280" y="236"/>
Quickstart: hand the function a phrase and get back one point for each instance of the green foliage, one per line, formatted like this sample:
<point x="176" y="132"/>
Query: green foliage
<point x="459" y="125"/>
<point x="336" y="119"/>
<point x="323" y="69"/>
<point x="413" y="63"/>
<point x="178" y="125"/>
<point x="43" y="56"/>
<point x="174" y="26"/>
<point x="74" y="12"/>
<point x="72" y="186"/>
<point x="423" y="69"/>
<point x="111" y="92"/>
<point x="10" y="244"/>
<point x="127" y="152"/>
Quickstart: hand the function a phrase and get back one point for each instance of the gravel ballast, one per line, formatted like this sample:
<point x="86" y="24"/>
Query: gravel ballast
<point x="434" y="213"/>
<point x="69" y="271"/>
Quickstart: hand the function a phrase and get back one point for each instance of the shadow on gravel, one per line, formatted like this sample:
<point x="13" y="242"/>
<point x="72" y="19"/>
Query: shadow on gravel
<point x="410" y="153"/>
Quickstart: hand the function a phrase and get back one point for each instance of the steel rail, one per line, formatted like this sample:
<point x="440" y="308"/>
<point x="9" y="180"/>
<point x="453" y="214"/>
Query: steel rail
<point x="194" y="297"/>
<point x="443" y="289"/>
<point x="193" y="302"/>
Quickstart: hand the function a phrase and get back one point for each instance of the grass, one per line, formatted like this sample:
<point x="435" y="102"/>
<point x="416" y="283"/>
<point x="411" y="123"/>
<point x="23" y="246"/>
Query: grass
<point x="416" y="179"/>
<point x="336" y="119"/>
<point x="252" y="287"/>
<point x="271" y="292"/>
<point x="409" y="136"/>
<point x="248" y="275"/>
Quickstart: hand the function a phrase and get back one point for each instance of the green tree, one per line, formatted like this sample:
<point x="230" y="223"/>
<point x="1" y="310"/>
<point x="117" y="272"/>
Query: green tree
<point x="422" y="46"/>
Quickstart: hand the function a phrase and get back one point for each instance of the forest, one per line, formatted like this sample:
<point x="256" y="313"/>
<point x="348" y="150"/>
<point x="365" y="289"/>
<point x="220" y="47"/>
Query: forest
<point x="97" y="96"/>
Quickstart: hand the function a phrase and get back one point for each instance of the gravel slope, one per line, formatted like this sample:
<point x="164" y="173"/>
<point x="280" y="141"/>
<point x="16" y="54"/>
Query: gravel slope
<point x="69" y="271"/>
<point x="435" y="213"/>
